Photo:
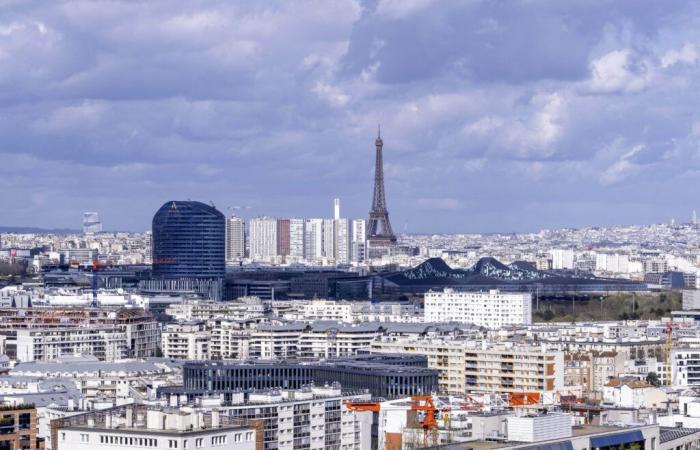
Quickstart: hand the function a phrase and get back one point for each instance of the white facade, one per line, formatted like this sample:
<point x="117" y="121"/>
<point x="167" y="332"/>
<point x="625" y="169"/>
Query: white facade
<point x="328" y="238"/>
<point x="313" y="239"/>
<point x="342" y="241"/>
<point x="612" y="262"/>
<point x="493" y="309"/>
<point x="185" y="341"/>
<point x="91" y="223"/>
<point x="44" y="344"/>
<point x="235" y="239"/>
<point x="296" y="238"/>
<point x="562" y="258"/>
<point x="161" y="430"/>
<point x="263" y="238"/>
<point x="357" y="242"/>
<point x="540" y="427"/>
<point x="691" y="299"/>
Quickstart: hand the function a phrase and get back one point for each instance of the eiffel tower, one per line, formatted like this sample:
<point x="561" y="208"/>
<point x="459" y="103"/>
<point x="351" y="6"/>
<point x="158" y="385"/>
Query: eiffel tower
<point x="379" y="233"/>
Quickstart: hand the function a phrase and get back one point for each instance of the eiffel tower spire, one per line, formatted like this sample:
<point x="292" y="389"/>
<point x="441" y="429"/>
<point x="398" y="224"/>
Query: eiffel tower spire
<point x="379" y="232"/>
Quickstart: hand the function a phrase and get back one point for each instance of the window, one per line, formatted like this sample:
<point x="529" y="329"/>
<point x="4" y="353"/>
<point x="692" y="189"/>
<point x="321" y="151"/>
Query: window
<point x="172" y="443"/>
<point x="84" y="438"/>
<point x="198" y="442"/>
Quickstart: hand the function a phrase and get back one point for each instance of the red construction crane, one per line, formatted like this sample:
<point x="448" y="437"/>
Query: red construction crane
<point x="423" y="403"/>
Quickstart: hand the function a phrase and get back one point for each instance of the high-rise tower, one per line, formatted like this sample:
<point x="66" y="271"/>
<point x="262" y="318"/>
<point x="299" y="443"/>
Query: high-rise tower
<point x="380" y="237"/>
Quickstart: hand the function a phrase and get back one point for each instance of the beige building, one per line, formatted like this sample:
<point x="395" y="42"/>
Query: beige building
<point x="469" y="366"/>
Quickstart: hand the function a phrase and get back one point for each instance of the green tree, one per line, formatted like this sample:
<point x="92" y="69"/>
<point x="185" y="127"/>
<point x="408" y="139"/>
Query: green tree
<point x="653" y="379"/>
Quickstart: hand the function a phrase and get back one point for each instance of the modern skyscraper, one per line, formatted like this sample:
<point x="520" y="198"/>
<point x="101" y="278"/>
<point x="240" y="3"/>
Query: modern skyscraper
<point x="263" y="238"/>
<point x="283" y="237"/>
<point x="91" y="223"/>
<point x="357" y="241"/>
<point x="336" y="209"/>
<point x="235" y="239"/>
<point x="380" y="237"/>
<point x="188" y="241"/>
<point x="296" y="238"/>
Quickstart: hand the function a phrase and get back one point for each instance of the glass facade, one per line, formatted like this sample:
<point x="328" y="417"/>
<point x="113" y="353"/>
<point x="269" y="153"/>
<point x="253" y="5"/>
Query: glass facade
<point x="188" y="241"/>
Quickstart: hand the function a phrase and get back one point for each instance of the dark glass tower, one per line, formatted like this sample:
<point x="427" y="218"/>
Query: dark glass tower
<point x="188" y="241"/>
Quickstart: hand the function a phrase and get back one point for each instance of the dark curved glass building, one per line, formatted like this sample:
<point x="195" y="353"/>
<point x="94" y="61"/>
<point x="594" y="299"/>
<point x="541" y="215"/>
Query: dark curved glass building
<point x="188" y="241"/>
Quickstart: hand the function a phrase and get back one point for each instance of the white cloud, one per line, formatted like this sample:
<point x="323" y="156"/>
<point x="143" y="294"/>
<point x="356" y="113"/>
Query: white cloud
<point x="622" y="168"/>
<point x="688" y="54"/>
<point x="397" y="9"/>
<point x="620" y="71"/>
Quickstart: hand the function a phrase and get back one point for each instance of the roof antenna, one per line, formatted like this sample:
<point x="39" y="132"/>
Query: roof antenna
<point x="379" y="131"/>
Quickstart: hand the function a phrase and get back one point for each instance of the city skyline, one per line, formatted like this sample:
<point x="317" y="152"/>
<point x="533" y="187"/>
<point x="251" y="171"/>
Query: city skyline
<point x="580" y="115"/>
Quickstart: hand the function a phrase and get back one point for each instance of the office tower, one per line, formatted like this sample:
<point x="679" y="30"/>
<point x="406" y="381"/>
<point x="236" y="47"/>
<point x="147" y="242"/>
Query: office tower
<point x="283" y="237"/>
<point x="336" y="208"/>
<point x="235" y="239"/>
<point x="296" y="238"/>
<point x="313" y="239"/>
<point x="380" y="237"/>
<point x="357" y="241"/>
<point x="188" y="241"/>
<point x="91" y="223"/>
<point x="328" y="238"/>
<point x="263" y="238"/>
<point x="148" y="250"/>
<point x="694" y="218"/>
<point x="341" y="245"/>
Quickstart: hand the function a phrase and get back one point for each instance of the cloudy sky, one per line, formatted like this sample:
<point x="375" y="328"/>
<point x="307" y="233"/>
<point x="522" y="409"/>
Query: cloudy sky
<point x="496" y="115"/>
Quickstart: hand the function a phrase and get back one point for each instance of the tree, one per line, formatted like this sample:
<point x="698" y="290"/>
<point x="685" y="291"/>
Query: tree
<point x="653" y="379"/>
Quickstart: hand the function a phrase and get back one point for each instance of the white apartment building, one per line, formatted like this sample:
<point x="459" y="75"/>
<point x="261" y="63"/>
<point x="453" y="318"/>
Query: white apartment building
<point x="263" y="238"/>
<point x="106" y="343"/>
<point x="477" y="367"/>
<point x="228" y="340"/>
<point x="562" y="258"/>
<point x="154" y="429"/>
<point x="296" y="238"/>
<point x="493" y="309"/>
<point x="313" y="239"/>
<point x="336" y="341"/>
<point x="235" y="239"/>
<point x="243" y="309"/>
<point x="612" y="262"/>
<point x="185" y="341"/>
<point x="341" y="245"/>
<point x="328" y="238"/>
<point x="357" y="241"/>
<point x="311" y="418"/>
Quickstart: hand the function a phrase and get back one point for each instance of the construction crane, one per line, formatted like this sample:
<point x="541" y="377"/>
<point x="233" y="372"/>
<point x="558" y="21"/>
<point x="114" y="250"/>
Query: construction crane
<point x="422" y="403"/>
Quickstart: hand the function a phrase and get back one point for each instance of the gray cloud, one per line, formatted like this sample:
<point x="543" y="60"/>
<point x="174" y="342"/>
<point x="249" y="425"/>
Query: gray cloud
<point x="496" y="115"/>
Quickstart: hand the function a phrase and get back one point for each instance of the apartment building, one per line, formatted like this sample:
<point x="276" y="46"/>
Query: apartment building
<point x="309" y="418"/>
<point x="185" y="341"/>
<point x="493" y="309"/>
<point x="470" y="367"/>
<point x="136" y="426"/>
<point x="106" y="343"/>
<point x="228" y="340"/>
<point x="242" y="309"/>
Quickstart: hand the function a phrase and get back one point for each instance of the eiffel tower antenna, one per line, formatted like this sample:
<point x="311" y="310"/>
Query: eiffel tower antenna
<point x="379" y="232"/>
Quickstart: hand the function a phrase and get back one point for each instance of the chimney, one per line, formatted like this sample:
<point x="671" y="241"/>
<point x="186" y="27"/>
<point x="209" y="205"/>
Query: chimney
<point x="215" y="419"/>
<point x="129" y="418"/>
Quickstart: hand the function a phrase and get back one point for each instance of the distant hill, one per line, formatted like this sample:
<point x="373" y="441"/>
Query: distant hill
<point x="38" y="230"/>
